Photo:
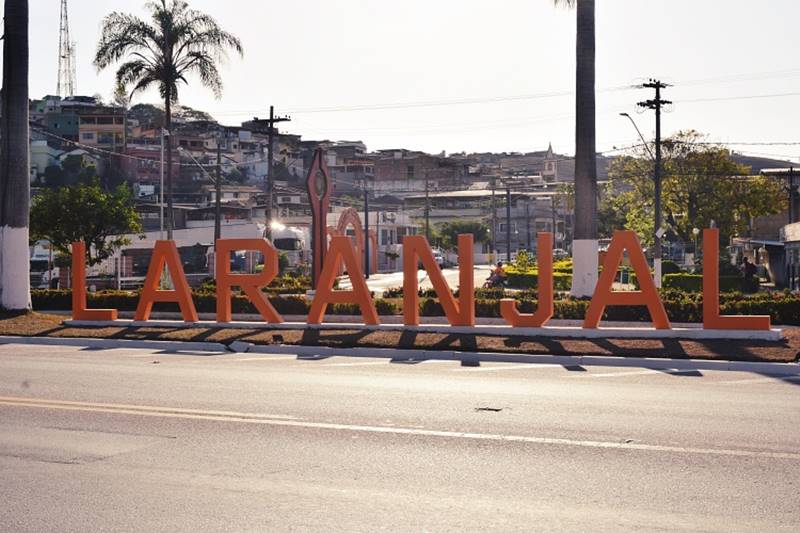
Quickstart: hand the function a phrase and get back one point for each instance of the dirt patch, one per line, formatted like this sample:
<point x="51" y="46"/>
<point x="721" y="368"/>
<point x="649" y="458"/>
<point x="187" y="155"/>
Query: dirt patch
<point x="786" y="350"/>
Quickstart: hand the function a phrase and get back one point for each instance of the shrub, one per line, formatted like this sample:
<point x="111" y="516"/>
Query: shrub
<point x="694" y="282"/>
<point x="670" y="267"/>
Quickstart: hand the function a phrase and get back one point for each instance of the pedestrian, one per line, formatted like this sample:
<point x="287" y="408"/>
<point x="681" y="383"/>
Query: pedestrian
<point x="749" y="282"/>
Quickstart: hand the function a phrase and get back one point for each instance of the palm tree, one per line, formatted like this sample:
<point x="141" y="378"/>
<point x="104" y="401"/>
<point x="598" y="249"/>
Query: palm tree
<point x="584" y="244"/>
<point x="176" y="43"/>
<point x="15" y="291"/>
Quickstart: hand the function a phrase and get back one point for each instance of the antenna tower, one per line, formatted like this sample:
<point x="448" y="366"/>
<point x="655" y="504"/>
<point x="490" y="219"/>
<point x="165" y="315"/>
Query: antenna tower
<point x="66" y="57"/>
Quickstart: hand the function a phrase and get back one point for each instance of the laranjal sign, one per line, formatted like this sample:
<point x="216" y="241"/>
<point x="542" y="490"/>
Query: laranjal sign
<point x="459" y="311"/>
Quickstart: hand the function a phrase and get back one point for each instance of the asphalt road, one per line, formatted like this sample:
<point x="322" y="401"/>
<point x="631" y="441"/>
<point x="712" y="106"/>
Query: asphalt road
<point x="127" y="440"/>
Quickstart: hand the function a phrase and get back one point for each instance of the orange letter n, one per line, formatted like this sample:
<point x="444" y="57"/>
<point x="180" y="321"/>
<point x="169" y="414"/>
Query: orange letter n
<point x="341" y="249"/>
<point x="648" y="295"/>
<point x="711" y="317"/>
<point x="250" y="283"/>
<point x="79" y="311"/>
<point x="165" y="252"/>
<point x="544" y="260"/>
<point x="459" y="312"/>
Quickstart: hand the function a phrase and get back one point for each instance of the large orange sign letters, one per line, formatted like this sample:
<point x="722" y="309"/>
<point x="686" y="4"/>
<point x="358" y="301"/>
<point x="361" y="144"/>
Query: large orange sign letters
<point x="544" y="312"/>
<point x="341" y="250"/>
<point x="604" y="295"/>
<point x="460" y="312"/>
<point x="250" y="283"/>
<point x="711" y="317"/>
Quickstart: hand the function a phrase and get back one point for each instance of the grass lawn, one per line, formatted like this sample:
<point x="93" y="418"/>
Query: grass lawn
<point x="786" y="350"/>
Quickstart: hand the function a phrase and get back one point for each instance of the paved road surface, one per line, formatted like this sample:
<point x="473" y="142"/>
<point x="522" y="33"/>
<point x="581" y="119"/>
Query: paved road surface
<point x="128" y="440"/>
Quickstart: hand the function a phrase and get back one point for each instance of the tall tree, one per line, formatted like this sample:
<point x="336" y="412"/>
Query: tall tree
<point x="701" y="183"/>
<point x="85" y="212"/>
<point x="584" y="244"/>
<point x="15" y="291"/>
<point x="176" y="43"/>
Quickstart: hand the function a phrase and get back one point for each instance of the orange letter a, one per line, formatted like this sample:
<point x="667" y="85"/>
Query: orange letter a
<point x="603" y="295"/>
<point x="165" y="252"/>
<point x="341" y="249"/>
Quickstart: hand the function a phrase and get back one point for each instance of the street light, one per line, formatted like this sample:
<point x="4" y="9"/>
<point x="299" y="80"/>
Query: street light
<point x="646" y="145"/>
<point x="216" y="181"/>
<point x="657" y="207"/>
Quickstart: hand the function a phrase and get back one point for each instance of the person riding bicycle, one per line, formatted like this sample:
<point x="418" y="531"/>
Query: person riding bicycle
<point x="498" y="275"/>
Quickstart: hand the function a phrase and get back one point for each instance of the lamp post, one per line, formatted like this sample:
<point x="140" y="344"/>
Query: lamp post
<point x="218" y="187"/>
<point x="164" y="135"/>
<point x="657" y="200"/>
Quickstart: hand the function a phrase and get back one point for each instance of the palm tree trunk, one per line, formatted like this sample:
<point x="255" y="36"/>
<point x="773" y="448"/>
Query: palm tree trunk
<point x="584" y="246"/>
<point x="168" y="185"/>
<point x="15" y="291"/>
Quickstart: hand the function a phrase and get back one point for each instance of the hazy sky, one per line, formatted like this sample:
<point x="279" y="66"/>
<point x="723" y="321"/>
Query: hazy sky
<point x="502" y="56"/>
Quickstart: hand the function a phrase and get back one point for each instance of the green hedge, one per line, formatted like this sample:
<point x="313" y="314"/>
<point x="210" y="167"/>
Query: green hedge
<point x="694" y="282"/>
<point x="783" y="307"/>
<point x="562" y="281"/>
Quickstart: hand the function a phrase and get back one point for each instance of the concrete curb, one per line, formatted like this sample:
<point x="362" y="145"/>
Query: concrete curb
<point x="322" y="352"/>
<point x="110" y="344"/>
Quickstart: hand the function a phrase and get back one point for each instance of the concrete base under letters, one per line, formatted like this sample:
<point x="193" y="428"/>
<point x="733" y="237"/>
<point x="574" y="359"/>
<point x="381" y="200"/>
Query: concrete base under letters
<point x="569" y="332"/>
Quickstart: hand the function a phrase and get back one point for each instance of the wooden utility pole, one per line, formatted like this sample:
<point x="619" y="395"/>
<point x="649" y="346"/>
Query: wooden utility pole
<point x="508" y="224"/>
<point x="656" y="104"/>
<point x="218" y="197"/>
<point x="269" y="125"/>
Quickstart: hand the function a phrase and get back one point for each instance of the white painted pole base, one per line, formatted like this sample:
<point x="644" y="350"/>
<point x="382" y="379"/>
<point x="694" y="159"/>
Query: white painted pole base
<point x="15" y="280"/>
<point x="584" y="267"/>
<point x="657" y="272"/>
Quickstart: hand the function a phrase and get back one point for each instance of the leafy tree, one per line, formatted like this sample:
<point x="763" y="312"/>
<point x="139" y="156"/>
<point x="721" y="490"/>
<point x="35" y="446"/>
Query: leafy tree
<point x="85" y="213"/>
<point x="147" y="115"/>
<point x="190" y="114"/>
<point x="448" y="233"/>
<point x="700" y="184"/>
<point x="70" y="172"/>
<point x="177" y="43"/>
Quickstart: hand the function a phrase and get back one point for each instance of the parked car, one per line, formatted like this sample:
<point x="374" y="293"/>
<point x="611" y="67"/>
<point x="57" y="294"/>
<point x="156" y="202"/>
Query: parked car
<point x="560" y="253"/>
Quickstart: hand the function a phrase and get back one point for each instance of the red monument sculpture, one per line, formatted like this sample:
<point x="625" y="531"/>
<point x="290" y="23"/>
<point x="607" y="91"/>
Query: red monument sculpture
<point x="319" y="192"/>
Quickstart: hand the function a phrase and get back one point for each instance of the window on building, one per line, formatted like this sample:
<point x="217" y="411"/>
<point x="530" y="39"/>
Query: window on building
<point x="88" y="120"/>
<point x="105" y="120"/>
<point x="410" y="172"/>
<point x="503" y="227"/>
<point x="106" y="137"/>
<point x="87" y="136"/>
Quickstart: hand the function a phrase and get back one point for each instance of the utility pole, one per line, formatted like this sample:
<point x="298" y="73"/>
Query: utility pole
<point x="508" y="224"/>
<point x="427" y="209"/>
<point x="494" y="215"/>
<point x="161" y="188"/>
<point x="792" y="195"/>
<point x="218" y="197"/>
<point x="366" y="231"/>
<point x="528" y="224"/>
<point x="270" y="125"/>
<point x="656" y="105"/>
